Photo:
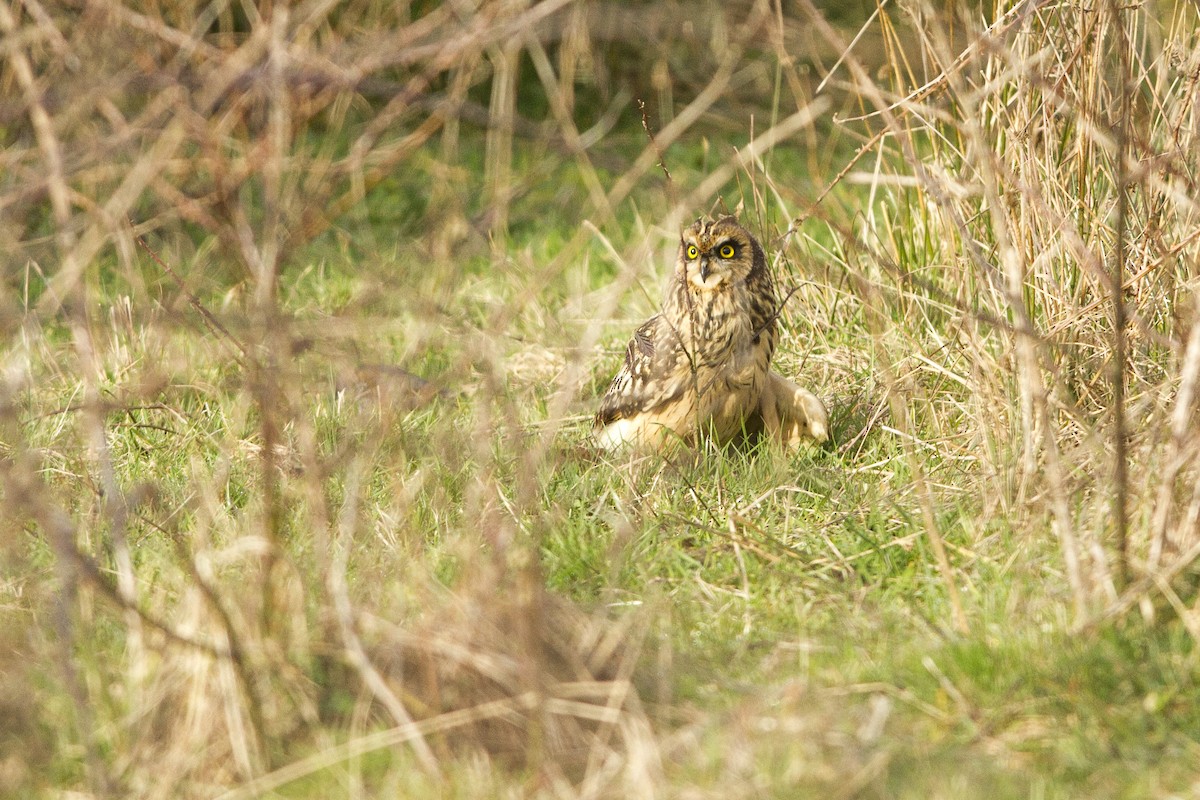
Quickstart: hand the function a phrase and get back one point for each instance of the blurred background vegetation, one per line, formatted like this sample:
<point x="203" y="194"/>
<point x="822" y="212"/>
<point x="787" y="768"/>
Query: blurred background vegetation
<point x="308" y="305"/>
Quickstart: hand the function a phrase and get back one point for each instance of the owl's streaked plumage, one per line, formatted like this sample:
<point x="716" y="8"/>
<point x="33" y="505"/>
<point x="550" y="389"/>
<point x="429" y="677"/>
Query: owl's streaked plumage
<point x="701" y="365"/>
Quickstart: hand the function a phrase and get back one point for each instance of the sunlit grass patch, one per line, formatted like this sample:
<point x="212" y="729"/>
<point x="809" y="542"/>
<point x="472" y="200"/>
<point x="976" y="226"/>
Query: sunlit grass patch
<point x="309" y="314"/>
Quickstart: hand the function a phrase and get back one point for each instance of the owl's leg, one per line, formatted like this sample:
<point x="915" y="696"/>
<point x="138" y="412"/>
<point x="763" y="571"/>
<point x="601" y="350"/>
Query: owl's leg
<point x="791" y="414"/>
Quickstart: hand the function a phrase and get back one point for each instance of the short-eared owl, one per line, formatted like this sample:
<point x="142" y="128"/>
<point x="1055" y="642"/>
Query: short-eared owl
<point x="701" y="365"/>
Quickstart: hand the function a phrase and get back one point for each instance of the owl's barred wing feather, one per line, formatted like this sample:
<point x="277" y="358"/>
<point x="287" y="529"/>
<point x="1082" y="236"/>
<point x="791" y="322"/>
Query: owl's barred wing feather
<point x="640" y="385"/>
<point x="649" y="377"/>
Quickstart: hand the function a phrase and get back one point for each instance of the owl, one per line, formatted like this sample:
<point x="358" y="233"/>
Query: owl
<point x="701" y="366"/>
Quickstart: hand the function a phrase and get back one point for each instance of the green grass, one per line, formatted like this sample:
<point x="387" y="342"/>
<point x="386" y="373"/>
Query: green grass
<point x="788" y="596"/>
<point x="780" y="620"/>
<point x="782" y="589"/>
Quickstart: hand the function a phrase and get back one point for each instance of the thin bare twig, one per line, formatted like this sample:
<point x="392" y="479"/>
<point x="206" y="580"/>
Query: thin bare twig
<point x="1117" y="289"/>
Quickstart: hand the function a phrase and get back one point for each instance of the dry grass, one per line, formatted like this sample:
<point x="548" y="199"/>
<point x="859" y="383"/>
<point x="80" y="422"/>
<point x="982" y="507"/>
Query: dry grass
<point x="260" y="552"/>
<point x="1054" y="225"/>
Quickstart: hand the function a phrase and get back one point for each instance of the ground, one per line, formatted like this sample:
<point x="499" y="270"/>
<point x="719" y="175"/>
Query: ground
<point x="342" y="530"/>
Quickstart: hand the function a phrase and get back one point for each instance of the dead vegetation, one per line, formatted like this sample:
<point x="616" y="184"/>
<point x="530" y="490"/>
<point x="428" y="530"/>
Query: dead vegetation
<point x="219" y="582"/>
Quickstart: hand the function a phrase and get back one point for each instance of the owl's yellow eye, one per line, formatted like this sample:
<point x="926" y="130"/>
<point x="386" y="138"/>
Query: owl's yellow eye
<point x="692" y="252"/>
<point x="726" y="251"/>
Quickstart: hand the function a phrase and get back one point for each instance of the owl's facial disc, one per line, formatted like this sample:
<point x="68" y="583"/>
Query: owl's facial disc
<point x="705" y="262"/>
<point x="711" y="254"/>
<point x="702" y="275"/>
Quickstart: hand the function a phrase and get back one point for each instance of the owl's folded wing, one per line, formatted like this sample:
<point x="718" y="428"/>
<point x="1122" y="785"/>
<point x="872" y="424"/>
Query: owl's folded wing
<point x="650" y="383"/>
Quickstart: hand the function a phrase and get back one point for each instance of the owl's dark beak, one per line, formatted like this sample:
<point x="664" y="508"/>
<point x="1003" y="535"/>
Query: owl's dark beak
<point x="703" y="270"/>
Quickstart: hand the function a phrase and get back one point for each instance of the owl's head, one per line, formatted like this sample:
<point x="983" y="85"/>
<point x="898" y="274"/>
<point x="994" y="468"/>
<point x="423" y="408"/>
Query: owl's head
<point x="716" y="254"/>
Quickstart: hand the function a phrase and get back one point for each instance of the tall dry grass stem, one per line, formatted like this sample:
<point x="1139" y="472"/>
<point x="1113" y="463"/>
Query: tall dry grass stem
<point x="1120" y="365"/>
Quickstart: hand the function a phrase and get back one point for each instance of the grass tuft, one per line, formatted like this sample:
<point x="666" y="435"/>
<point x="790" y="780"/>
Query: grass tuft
<point x="309" y="307"/>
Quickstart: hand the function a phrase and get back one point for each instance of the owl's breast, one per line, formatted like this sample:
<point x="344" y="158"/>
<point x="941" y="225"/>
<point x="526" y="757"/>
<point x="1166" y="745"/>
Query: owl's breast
<point x="730" y="343"/>
<point x="736" y="356"/>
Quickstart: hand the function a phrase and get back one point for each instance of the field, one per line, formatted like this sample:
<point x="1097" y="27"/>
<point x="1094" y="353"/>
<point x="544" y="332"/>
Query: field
<point x="308" y="309"/>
